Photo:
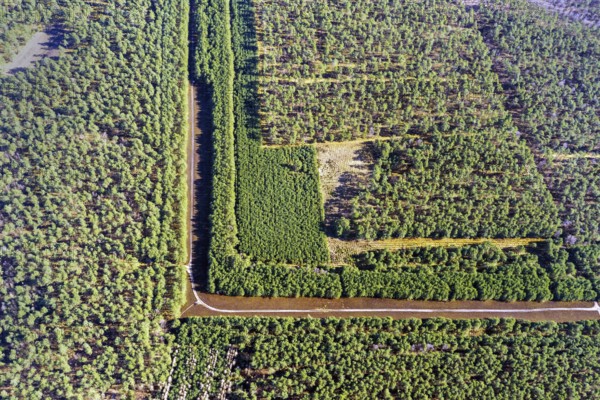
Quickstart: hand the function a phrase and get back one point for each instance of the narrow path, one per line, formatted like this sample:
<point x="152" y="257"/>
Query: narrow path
<point x="202" y="304"/>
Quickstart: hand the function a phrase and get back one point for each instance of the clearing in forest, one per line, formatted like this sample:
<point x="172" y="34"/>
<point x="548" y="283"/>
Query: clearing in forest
<point x="40" y="45"/>
<point x="343" y="168"/>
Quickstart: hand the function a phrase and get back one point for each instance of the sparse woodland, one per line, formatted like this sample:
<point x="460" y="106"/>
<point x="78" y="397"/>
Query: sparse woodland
<point x="551" y="76"/>
<point x="336" y="70"/>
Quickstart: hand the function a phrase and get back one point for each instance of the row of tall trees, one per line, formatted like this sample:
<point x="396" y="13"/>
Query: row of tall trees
<point x="91" y="215"/>
<point x="478" y="272"/>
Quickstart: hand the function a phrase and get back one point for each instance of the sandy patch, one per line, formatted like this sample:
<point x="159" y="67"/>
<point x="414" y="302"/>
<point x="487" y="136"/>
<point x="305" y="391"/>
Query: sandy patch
<point x="37" y="47"/>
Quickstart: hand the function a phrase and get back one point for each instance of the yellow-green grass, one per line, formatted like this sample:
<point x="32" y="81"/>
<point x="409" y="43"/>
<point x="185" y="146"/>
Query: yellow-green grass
<point x="341" y="250"/>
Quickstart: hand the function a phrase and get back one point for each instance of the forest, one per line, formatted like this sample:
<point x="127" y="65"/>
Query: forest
<point x="336" y="70"/>
<point x="92" y="203"/>
<point x="267" y="234"/>
<point x="482" y="185"/>
<point x="540" y="272"/>
<point x="491" y="124"/>
<point x="376" y="358"/>
<point x="551" y="76"/>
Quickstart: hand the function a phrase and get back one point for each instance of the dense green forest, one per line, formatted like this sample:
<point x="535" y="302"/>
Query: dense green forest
<point x="479" y="272"/>
<point x="270" y="179"/>
<point x="479" y="185"/>
<point x="373" y="358"/>
<point x="92" y="202"/>
<point x="278" y="212"/>
<point x="551" y="75"/>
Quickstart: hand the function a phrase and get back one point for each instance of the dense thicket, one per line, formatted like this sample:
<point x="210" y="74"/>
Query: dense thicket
<point x="478" y="272"/>
<point x="92" y="202"/>
<point x="277" y="200"/>
<point x="279" y="207"/>
<point x="362" y="358"/>
<point x="551" y="74"/>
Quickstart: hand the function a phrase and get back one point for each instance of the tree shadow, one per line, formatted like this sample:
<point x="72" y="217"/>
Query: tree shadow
<point x="44" y="44"/>
<point x="203" y="157"/>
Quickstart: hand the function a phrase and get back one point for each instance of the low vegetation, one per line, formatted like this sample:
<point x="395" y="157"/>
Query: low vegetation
<point x="267" y="358"/>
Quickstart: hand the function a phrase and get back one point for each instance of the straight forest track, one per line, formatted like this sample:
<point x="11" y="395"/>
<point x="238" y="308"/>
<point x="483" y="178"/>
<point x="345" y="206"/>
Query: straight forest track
<point x="203" y="304"/>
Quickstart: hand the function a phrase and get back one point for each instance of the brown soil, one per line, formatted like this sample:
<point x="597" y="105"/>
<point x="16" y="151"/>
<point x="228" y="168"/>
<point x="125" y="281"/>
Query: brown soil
<point x="318" y="308"/>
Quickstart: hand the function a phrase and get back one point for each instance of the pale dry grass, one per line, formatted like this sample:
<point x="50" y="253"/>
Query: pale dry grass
<point x="310" y="81"/>
<point x="339" y="158"/>
<point x="569" y="156"/>
<point x="348" y="145"/>
<point x="341" y="250"/>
